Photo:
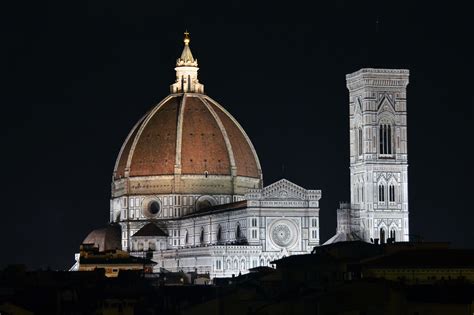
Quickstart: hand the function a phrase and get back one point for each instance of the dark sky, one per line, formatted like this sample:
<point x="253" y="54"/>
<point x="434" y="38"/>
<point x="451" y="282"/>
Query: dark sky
<point x="78" y="75"/>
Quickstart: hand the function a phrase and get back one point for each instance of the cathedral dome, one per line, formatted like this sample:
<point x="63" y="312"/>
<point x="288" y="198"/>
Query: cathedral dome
<point x="186" y="138"/>
<point x="106" y="238"/>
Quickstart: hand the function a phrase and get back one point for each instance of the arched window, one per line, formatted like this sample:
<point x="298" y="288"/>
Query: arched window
<point x="385" y="139"/>
<point x="392" y="234"/>
<point x="218" y="235"/>
<point x="236" y="264"/>
<point x="242" y="264"/>
<point x="382" y="235"/>
<point x="360" y="141"/>
<point x="381" y="193"/>
<point x="238" y="233"/>
<point x="391" y="193"/>
<point x="186" y="238"/>
<point x="201" y="237"/>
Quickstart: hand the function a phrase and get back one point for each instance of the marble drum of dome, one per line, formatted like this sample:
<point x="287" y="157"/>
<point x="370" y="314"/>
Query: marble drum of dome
<point x="283" y="233"/>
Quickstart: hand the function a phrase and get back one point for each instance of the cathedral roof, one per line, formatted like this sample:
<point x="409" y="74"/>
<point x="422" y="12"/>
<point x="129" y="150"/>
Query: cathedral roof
<point x="237" y="205"/>
<point x="105" y="238"/>
<point x="150" y="229"/>
<point x="188" y="133"/>
<point x="343" y="237"/>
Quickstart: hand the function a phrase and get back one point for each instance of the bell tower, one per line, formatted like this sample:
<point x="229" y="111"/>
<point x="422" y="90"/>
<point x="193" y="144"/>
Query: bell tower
<point x="378" y="154"/>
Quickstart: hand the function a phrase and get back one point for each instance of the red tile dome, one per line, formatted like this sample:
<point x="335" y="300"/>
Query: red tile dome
<point x="187" y="134"/>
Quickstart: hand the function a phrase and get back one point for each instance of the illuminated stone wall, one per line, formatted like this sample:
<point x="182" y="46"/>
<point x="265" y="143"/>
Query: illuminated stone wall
<point x="378" y="153"/>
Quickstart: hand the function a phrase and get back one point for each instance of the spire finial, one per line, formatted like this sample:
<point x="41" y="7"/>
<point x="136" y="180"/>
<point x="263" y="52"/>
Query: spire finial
<point x="187" y="39"/>
<point x="186" y="71"/>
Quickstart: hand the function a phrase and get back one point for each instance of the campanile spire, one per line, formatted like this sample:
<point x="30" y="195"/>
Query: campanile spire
<point x="186" y="71"/>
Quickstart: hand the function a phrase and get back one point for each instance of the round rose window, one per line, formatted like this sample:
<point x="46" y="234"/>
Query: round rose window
<point x="281" y="235"/>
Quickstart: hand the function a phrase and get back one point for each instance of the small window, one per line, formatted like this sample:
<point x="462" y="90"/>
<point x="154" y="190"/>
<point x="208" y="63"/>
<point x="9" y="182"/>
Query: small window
<point x="218" y="234"/>
<point x="391" y="193"/>
<point x="238" y="232"/>
<point x="381" y="193"/>
<point x="393" y="234"/>
<point x="314" y="234"/>
<point x="201" y="237"/>
<point x="254" y="222"/>
<point x="154" y="207"/>
<point x="385" y="139"/>
<point x="254" y="234"/>
<point x="382" y="235"/>
<point x="314" y="222"/>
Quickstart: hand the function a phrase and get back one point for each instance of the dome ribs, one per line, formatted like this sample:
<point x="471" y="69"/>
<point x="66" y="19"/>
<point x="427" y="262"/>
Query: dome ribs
<point x="125" y="151"/>
<point x="245" y="158"/>
<point x="203" y="148"/>
<point x="155" y="150"/>
<point x="181" y="142"/>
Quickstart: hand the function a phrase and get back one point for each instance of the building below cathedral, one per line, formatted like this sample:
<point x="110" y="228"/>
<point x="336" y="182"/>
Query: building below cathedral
<point x="187" y="186"/>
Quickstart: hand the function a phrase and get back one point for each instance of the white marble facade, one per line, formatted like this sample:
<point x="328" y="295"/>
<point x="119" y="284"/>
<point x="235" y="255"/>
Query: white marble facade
<point x="228" y="238"/>
<point x="378" y="209"/>
<point x="225" y="224"/>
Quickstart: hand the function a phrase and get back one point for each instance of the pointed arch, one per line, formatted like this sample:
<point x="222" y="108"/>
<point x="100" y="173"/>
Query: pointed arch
<point x="385" y="134"/>
<point x="393" y="231"/>
<point x="383" y="230"/>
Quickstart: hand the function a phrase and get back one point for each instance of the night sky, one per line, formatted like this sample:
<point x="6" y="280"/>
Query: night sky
<point x="77" y="76"/>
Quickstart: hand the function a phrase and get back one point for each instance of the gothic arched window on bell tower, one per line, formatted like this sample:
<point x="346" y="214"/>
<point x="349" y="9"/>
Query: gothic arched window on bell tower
<point x="382" y="235"/>
<point x="393" y="234"/>
<point x="381" y="193"/>
<point x="391" y="193"/>
<point x="385" y="139"/>
<point x="360" y="141"/>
